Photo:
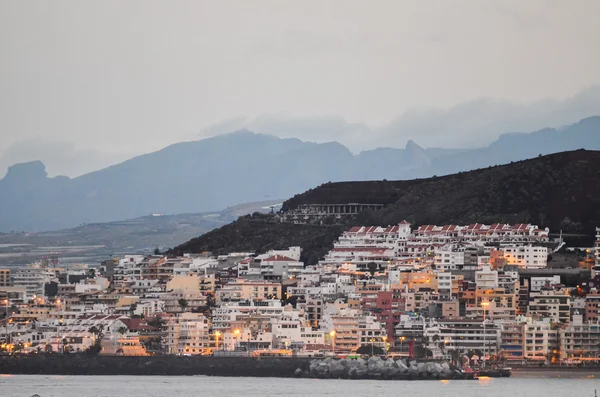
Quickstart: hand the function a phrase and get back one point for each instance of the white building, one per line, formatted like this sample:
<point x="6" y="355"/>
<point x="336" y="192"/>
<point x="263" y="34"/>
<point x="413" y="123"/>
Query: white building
<point x="486" y="278"/>
<point x="526" y="256"/>
<point x="580" y="339"/>
<point x="447" y="258"/>
<point x="555" y="305"/>
<point x="538" y="282"/>
<point x="463" y="335"/>
<point x="291" y="331"/>
<point x="189" y="333"/>
<point x="444" y="280"/>
<point x="33" y="278"/>
<point x="280" y="266"/>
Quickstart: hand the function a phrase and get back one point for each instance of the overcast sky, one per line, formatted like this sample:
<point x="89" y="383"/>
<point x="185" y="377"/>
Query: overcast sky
<point x="107" y="79"/>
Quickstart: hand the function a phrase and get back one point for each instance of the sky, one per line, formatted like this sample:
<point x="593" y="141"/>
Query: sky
<point x="85" y="84"/>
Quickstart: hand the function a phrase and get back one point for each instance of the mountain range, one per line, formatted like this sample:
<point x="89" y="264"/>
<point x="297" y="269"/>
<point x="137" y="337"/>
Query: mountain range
<point x="222" y="171"/>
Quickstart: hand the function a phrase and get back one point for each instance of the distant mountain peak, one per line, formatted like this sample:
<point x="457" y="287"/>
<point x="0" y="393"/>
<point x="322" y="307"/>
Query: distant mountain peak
<point x="30" y="171"/>
<point x="412" y="146"/>
<point x="242" y="132"/>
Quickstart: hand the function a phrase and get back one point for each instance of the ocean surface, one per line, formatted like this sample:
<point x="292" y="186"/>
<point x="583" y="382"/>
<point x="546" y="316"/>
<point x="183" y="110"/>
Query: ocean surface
<point x="179" y="386"/>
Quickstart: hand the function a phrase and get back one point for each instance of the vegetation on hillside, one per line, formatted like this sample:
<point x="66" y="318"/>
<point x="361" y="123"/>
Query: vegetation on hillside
<point x="560" y="191"/>
<point x="262" y="232"/>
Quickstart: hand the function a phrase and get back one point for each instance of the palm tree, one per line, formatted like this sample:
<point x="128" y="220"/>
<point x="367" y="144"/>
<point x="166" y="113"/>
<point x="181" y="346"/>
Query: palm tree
<point x="183" y="304"/>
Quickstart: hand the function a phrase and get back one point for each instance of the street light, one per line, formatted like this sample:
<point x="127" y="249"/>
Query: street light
<point x="484" y="305"/>
<point x="217" y="334"/>
<point x="236" y="332"/>
<point x="6" y="322"/>
<point x="402" y="343"/>
<point x="332" y="335"/>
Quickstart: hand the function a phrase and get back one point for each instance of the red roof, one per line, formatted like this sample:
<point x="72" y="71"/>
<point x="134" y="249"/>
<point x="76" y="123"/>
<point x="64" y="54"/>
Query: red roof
<point x="279" y="258"/>
<point x="358" y="249"/>
<point x="136" y="324"/>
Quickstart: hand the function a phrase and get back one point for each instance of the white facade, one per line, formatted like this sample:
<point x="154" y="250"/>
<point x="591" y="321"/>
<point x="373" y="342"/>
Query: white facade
<point x="526" y="256"/>
<point x="188" y="333"/>
<point x="444" y="283"/>
<point x="486" y="278"/>
<point x="448" y="259"/>
<point x="463" y="335"/>
<point x="538" y="282"/>
<point x="33" y="278"/>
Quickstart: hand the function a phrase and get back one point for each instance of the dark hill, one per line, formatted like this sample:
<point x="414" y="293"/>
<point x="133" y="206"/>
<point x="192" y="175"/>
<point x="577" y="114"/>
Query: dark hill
<point x="262" y="232"/>
<point x="560" y="191"/>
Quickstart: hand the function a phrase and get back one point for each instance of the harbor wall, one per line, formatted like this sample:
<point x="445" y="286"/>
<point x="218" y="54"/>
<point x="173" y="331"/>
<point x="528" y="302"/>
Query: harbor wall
<point x="153" y="365"/>
<point x="374" y="368"/>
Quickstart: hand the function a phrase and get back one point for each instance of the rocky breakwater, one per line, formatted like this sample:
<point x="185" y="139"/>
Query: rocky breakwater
<point x="377" y="368"/>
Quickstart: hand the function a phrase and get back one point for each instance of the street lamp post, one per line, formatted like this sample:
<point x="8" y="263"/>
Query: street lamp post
<point x="58" y="328"/>
<point x="236" y="332"/>
<point x="384" y="338"/>
<point x="6" y="322"/>
<point x="332" y="335"/>
<point x="484" y="305"/>
<point x="402" y="344"/>
<point x="217" y="334"/>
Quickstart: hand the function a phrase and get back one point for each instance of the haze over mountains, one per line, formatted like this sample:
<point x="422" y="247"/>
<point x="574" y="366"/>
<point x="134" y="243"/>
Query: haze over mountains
<point x="218" y="172"/>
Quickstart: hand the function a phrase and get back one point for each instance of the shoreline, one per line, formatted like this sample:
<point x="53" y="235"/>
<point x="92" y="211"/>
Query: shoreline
<point x="296" y="367"/>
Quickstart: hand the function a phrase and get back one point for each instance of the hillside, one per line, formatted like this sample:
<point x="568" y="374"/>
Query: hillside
<point x="226" y="170"/>
<point x="262" y="232"/>
<point x="560" y="191"/>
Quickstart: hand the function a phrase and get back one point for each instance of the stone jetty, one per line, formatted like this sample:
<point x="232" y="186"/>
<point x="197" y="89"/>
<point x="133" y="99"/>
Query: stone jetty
<point x="378" y="368"/>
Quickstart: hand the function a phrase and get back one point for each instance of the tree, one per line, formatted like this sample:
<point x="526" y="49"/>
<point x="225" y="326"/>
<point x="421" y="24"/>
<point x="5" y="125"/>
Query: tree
<point x="156" y="322"/>
<point x="210" y="300"/>
<point x="132" y="309"/>
<point x="183" y="304"/>
<point x="156" y="251"/>
<point x="372" y="266"/>
<point x="368" y="349"/>
<point x="122" y="330"/>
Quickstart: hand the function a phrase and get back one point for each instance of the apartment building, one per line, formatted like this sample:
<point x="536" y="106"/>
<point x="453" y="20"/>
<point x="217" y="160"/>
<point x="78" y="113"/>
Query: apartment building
<point x="189" y="333"/>
<point x="463" y="335"/>
<point x="580" y="339"/>
<point x="552" y="304"/>
<point x="4" y="277"/>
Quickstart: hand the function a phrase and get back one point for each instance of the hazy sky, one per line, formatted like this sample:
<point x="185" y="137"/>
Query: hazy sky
<point x="111" y="78"/>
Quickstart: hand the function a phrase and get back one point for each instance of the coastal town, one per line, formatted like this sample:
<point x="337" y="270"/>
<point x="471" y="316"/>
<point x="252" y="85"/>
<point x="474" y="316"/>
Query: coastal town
<point x="465" y="293"/>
